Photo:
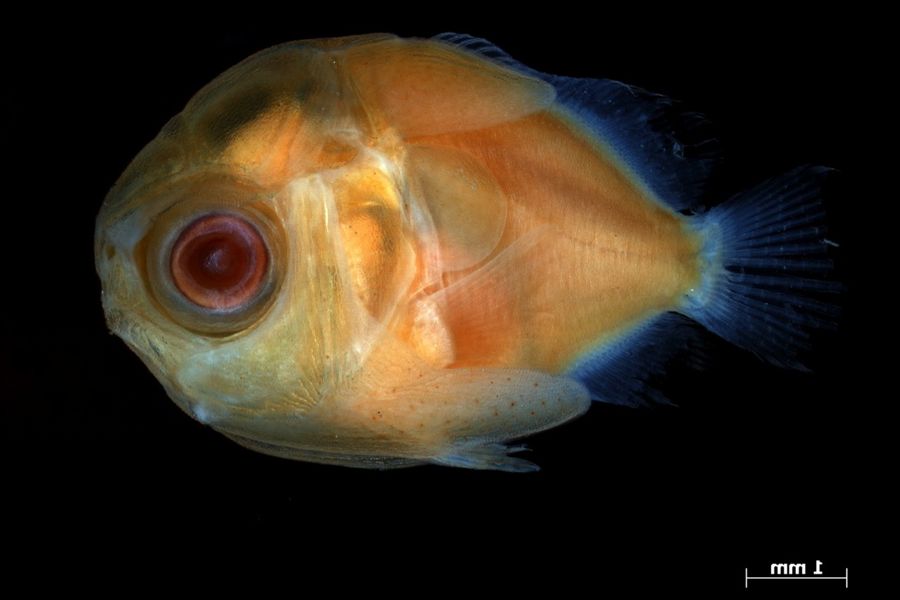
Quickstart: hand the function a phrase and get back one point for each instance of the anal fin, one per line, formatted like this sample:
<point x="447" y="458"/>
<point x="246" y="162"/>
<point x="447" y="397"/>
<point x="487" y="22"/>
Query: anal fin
<point x="623" y="370"/>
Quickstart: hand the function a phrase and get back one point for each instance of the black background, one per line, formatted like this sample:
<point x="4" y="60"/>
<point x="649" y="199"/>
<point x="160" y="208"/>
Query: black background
<point x="756" y="466"/>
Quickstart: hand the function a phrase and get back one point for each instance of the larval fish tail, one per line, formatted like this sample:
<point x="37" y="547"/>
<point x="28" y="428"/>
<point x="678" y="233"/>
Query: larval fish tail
<point x="767" y="281"/>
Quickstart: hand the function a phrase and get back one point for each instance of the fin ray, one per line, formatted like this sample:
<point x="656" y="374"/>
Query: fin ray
<point x="766" y="286"/>
<point x="672" y="151"/>
<point x="491" y="456"/>
<point x="622" y="371"/>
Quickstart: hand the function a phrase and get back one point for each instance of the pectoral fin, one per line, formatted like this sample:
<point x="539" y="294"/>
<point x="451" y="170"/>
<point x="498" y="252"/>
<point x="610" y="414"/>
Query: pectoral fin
<point x="484" y="310"/>
<point x="466" y="206"/>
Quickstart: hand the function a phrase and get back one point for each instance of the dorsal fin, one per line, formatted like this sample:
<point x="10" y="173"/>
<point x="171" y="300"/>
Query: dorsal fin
<point x="486" y="49"/>
<point x="669" y="150"/>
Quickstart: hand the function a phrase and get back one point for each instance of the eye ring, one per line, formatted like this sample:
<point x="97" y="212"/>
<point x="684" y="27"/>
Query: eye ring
<point x="232" y="292"/>
<point x="219" y="261"/>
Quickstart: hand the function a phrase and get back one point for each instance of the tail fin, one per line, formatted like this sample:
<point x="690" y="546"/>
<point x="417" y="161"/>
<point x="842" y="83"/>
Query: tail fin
<point x="766" y="279"/>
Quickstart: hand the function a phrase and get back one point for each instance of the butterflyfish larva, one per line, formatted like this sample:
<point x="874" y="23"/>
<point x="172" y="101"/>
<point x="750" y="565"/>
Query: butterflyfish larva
<point x="382" y="252"/>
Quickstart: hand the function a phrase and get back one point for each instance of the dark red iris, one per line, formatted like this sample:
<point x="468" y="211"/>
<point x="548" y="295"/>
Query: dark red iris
<point x="219" y="261"/>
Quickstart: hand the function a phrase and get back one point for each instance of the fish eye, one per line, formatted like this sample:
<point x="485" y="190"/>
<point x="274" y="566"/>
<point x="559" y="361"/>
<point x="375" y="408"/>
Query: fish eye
<point x="214" y="266"/>
<point x="219" y="262"/>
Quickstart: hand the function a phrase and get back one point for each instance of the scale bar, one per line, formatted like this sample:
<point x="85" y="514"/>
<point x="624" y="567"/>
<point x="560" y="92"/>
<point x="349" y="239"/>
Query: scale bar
<point x="845" y="578"/>
<point x="819" y="577"/>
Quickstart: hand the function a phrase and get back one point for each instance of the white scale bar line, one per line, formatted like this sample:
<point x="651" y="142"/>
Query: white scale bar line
<point x="846" y="577"/>
<point x="787" y="577"/>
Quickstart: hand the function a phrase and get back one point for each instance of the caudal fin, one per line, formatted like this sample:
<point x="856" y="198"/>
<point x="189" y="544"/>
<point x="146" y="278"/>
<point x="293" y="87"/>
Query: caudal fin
<point x="766" y="281"/>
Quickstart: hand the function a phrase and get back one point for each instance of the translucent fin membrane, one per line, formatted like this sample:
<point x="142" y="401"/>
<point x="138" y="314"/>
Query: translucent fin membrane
<point x="670" y="150"/>
<point x="766" y="284"/>
<point x="622" y="371"/>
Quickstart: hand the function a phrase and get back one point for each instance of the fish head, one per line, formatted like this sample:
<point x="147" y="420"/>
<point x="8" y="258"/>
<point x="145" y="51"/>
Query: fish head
<point x="251" y="254"/>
